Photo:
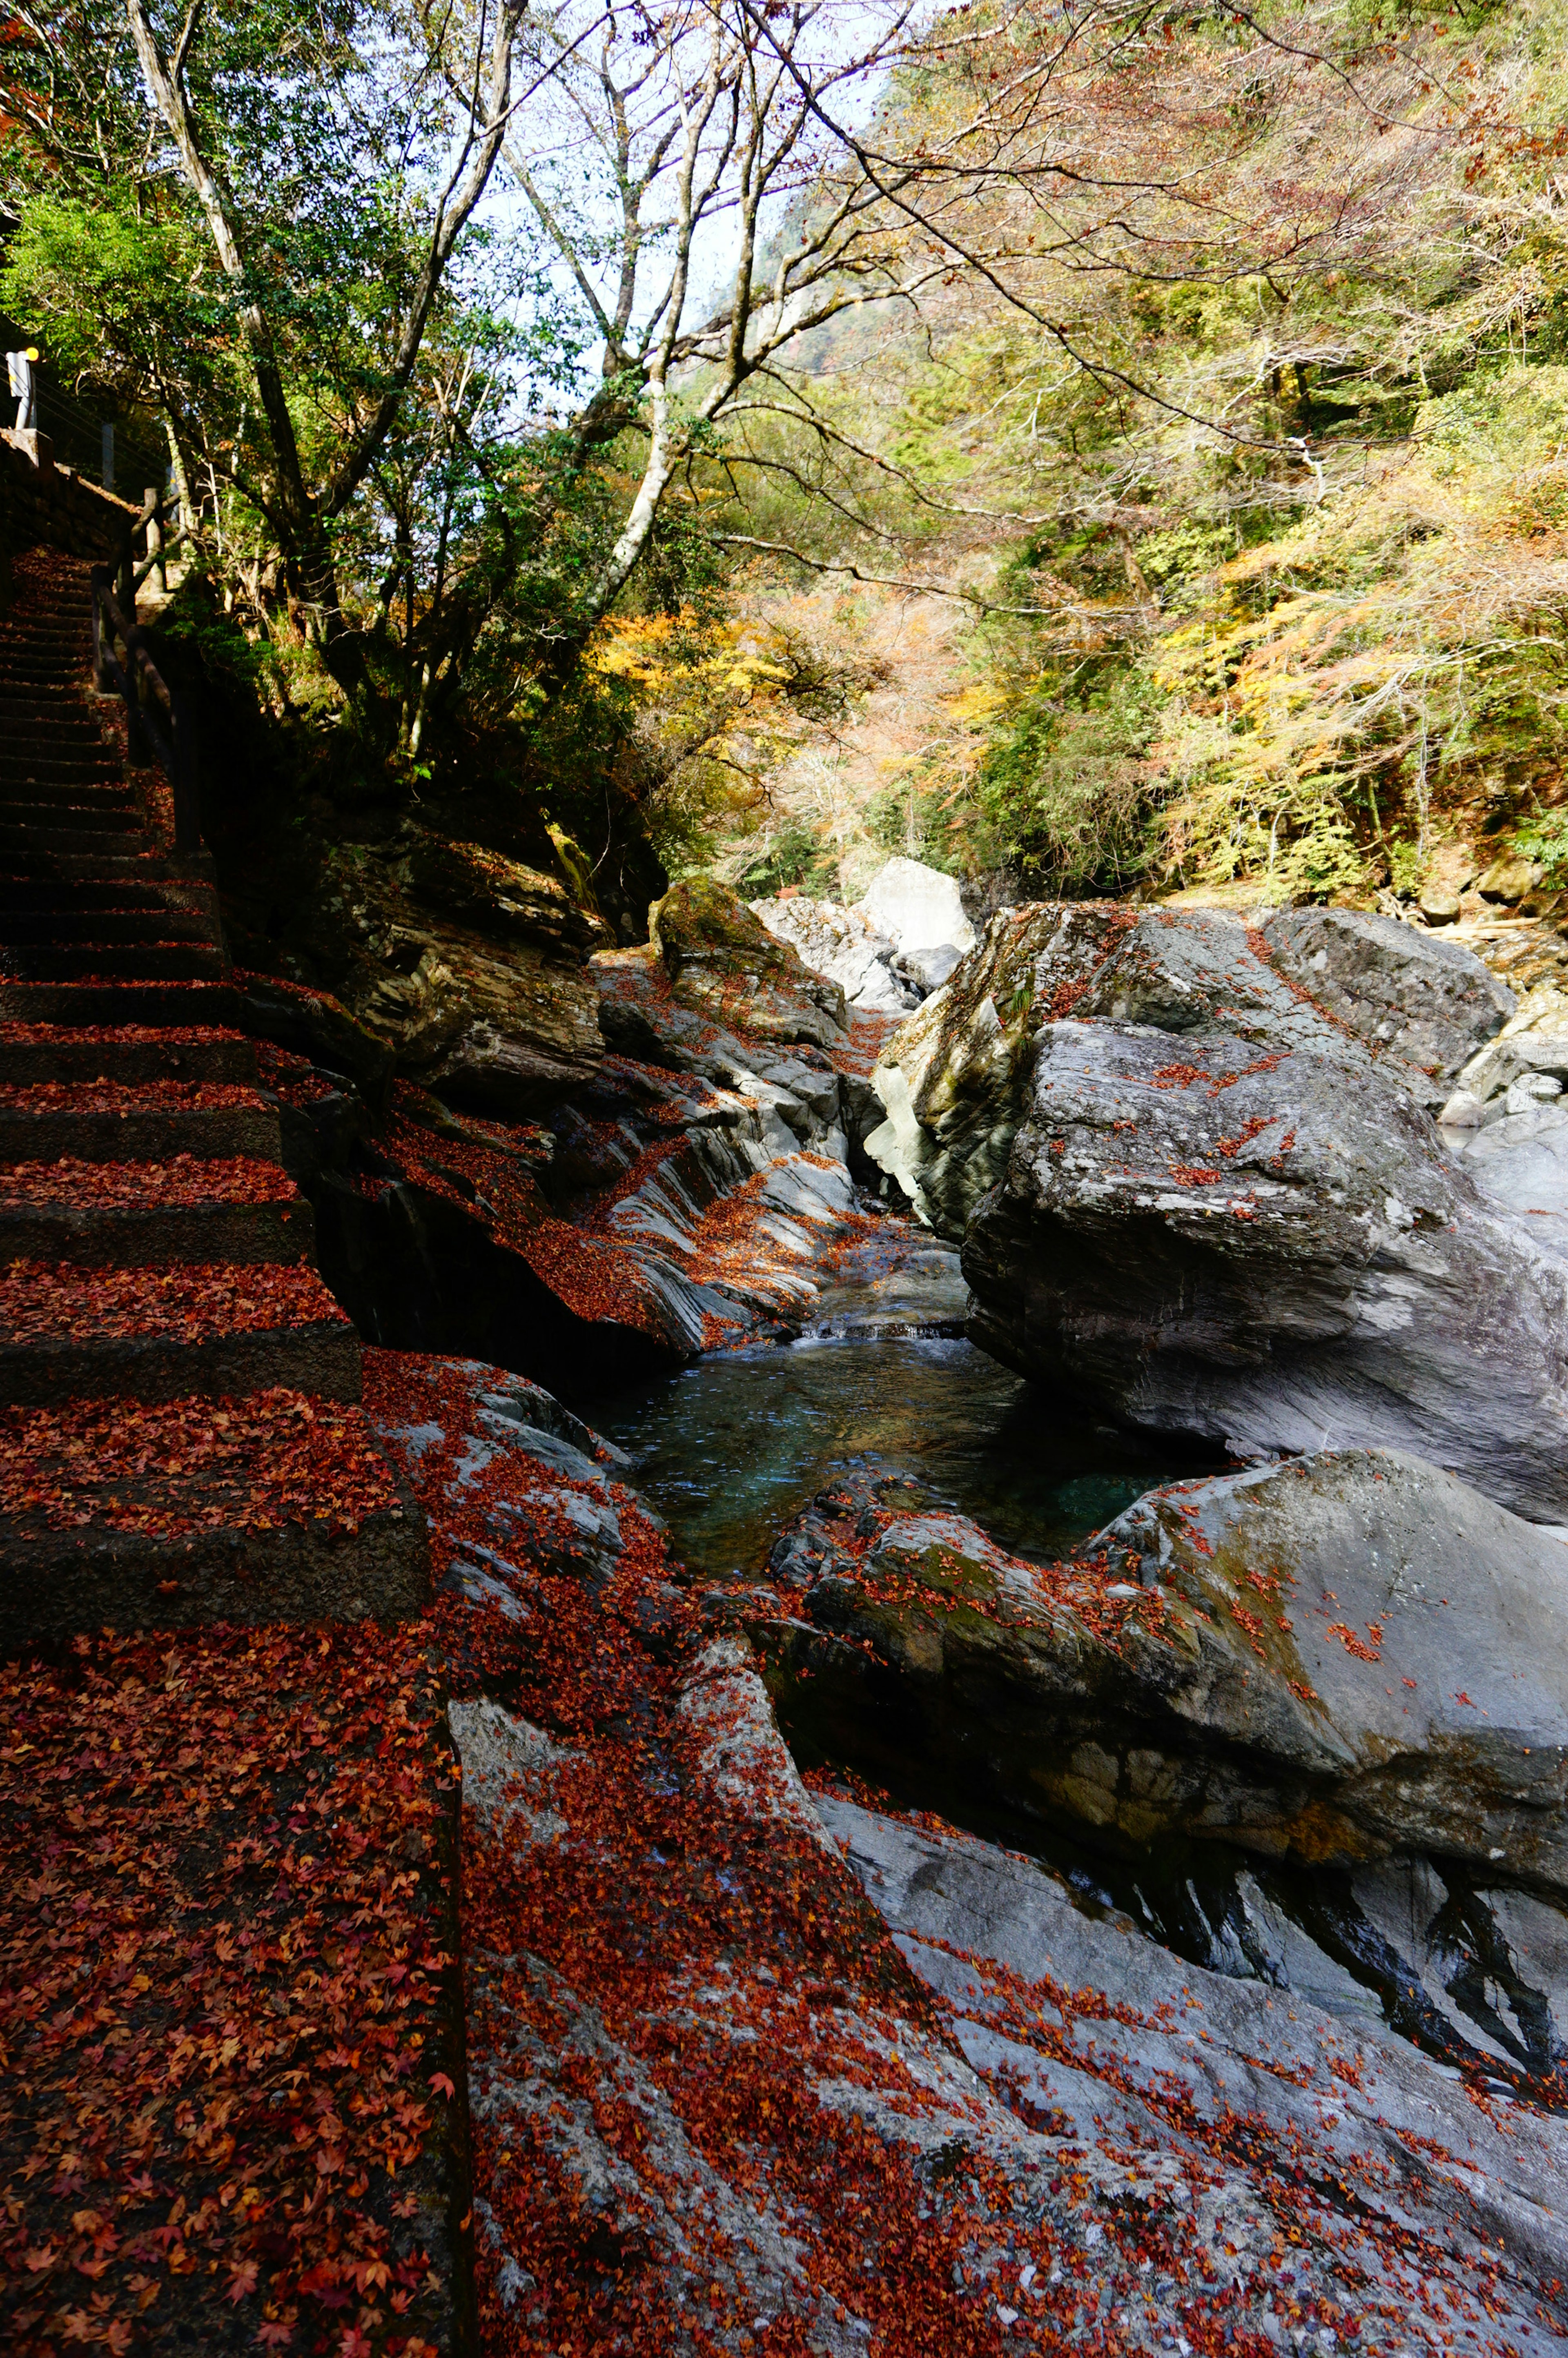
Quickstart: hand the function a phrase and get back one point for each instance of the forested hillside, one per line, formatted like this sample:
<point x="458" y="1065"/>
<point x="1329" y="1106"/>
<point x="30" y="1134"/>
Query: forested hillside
<point x="1092" y="449"/>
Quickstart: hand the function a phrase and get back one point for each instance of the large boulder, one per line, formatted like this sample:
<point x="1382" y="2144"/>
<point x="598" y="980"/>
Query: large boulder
<point x="1422" y="1002"/>
<point x="1214" y="1203"/>
<point x="1337" y="1660"/>
<point x="892" y="950"/>
<point x="726" y="966"/>
<point x="922" y="911"/>
<point x="466" y="968"/>
<point x="844" y="946"/>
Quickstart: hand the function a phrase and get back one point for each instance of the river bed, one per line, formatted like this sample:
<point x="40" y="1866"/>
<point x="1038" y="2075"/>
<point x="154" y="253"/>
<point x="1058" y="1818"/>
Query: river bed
<point x="730" y="1448"/>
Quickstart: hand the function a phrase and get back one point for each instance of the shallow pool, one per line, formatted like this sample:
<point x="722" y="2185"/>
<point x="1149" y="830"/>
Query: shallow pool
<point x="730" y="1448"/>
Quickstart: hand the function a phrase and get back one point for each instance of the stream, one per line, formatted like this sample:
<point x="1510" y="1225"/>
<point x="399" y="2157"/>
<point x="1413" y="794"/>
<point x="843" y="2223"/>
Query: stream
<point x="730" y="1448"/>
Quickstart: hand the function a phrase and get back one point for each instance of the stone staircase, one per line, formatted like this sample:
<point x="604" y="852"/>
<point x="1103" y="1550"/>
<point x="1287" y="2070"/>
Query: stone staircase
<point x="181" y="1440"/>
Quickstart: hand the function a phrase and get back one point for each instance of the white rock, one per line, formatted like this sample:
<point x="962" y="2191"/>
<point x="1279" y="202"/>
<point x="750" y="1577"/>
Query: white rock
<point x="918" y="906"/>
<point x="842" y="945"/>
<point x="1463" y="1112"/>
<point x="1529" y="1088"/>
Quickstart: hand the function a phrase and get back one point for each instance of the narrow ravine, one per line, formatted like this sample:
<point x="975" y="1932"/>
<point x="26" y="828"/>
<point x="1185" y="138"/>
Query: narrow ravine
<point x="880" y="1391"/>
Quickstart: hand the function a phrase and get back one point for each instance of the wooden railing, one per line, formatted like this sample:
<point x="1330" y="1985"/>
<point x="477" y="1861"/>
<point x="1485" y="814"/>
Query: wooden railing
<point x="160" y="722"/>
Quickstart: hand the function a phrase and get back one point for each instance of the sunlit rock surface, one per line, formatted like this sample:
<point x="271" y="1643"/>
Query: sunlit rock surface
<point x="1197" y="1183"/>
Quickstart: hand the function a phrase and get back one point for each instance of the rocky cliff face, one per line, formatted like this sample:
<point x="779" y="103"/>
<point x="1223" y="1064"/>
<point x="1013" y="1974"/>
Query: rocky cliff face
<point x="1194" y="1165"/>
<point x="584" y="1162"/>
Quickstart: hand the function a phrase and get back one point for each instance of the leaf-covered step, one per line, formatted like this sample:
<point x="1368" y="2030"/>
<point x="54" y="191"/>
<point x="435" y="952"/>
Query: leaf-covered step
<point x="115" y="1215"/>
<point x="267" y="1507"/>
<point x="106" y="1000"/>
<point x="137" y="962"/>
<point x="70" y="1333"/>
<point x="115" y="927"/>
<point x="105" y="1120"/>
<point x="245" y="1842"/>
<point x="32" y="1053"/>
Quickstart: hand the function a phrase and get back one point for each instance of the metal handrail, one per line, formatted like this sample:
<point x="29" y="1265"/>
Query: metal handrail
<point x="160" y="722"/>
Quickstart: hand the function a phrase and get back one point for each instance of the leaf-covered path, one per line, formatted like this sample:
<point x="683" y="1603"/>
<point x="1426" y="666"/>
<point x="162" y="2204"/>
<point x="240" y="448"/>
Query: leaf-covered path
<point x="230" y="2008"/>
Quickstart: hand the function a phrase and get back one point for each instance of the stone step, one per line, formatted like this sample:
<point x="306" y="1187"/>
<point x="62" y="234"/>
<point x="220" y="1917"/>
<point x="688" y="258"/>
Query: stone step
<point x="156" y="1237"/>
<point x="21" y="700"/>
<point x="29" y="862"/>
<point x="60" y="927"/>
<point x="65" y="727"/>
<point x="86" y="833"/>
<point x="70" y="1334"/>
<point x="106" y="789"/>
<point x="58" y="765"/>
<point x="129" y="1054"/>
<point x="252" y="1510"/>
<point x="70" y="896"/>
<point x="150" y="1122"/>
<point x="202" y="1003"/>
<point x="147" y="962"/>
<point x="64" y="676"/>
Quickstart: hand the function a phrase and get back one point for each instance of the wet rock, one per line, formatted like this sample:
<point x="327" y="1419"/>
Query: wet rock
<point x="1333" y="1660"/>
<point x="725" y="966"/>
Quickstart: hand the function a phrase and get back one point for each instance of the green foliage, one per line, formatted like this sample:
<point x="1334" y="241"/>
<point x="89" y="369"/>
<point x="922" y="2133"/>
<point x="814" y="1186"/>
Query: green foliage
<point x="104" y="284"/>
<point x="1545" y="840"/>
<point x="793" y="857"/>
<point x="1065" y="787"/>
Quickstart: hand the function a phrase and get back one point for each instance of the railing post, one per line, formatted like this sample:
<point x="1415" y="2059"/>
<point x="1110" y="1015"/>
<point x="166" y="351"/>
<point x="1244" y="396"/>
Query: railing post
<point x="102" y="677"/>
<point x="154" y="499"/>
<point x="187" y="812"/>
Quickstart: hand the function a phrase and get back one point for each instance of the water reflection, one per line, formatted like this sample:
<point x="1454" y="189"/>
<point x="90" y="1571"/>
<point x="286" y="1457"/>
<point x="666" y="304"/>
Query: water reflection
<point x="730" y="1448"/>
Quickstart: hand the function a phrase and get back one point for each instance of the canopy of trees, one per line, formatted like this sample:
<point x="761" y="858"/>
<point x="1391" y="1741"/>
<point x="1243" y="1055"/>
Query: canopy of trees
<point x="520" y="366"/>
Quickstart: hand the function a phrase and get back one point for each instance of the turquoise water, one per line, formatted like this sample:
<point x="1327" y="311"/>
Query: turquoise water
<point x="728" y="1449"/>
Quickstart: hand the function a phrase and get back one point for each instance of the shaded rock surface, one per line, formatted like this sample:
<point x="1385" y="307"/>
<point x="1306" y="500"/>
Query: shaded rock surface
<point x="693" y="1184"/>
<point x="1196" y="1180"/>
<point x="468" y="966"/>
<point x="1332" y="1661"/>
<point x="749" y="2062"/>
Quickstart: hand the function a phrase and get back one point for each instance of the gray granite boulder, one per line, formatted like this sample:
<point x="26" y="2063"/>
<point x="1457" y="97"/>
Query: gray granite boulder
<point x="1197" y="1182"/>
<point x="1335" y="1660"/>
